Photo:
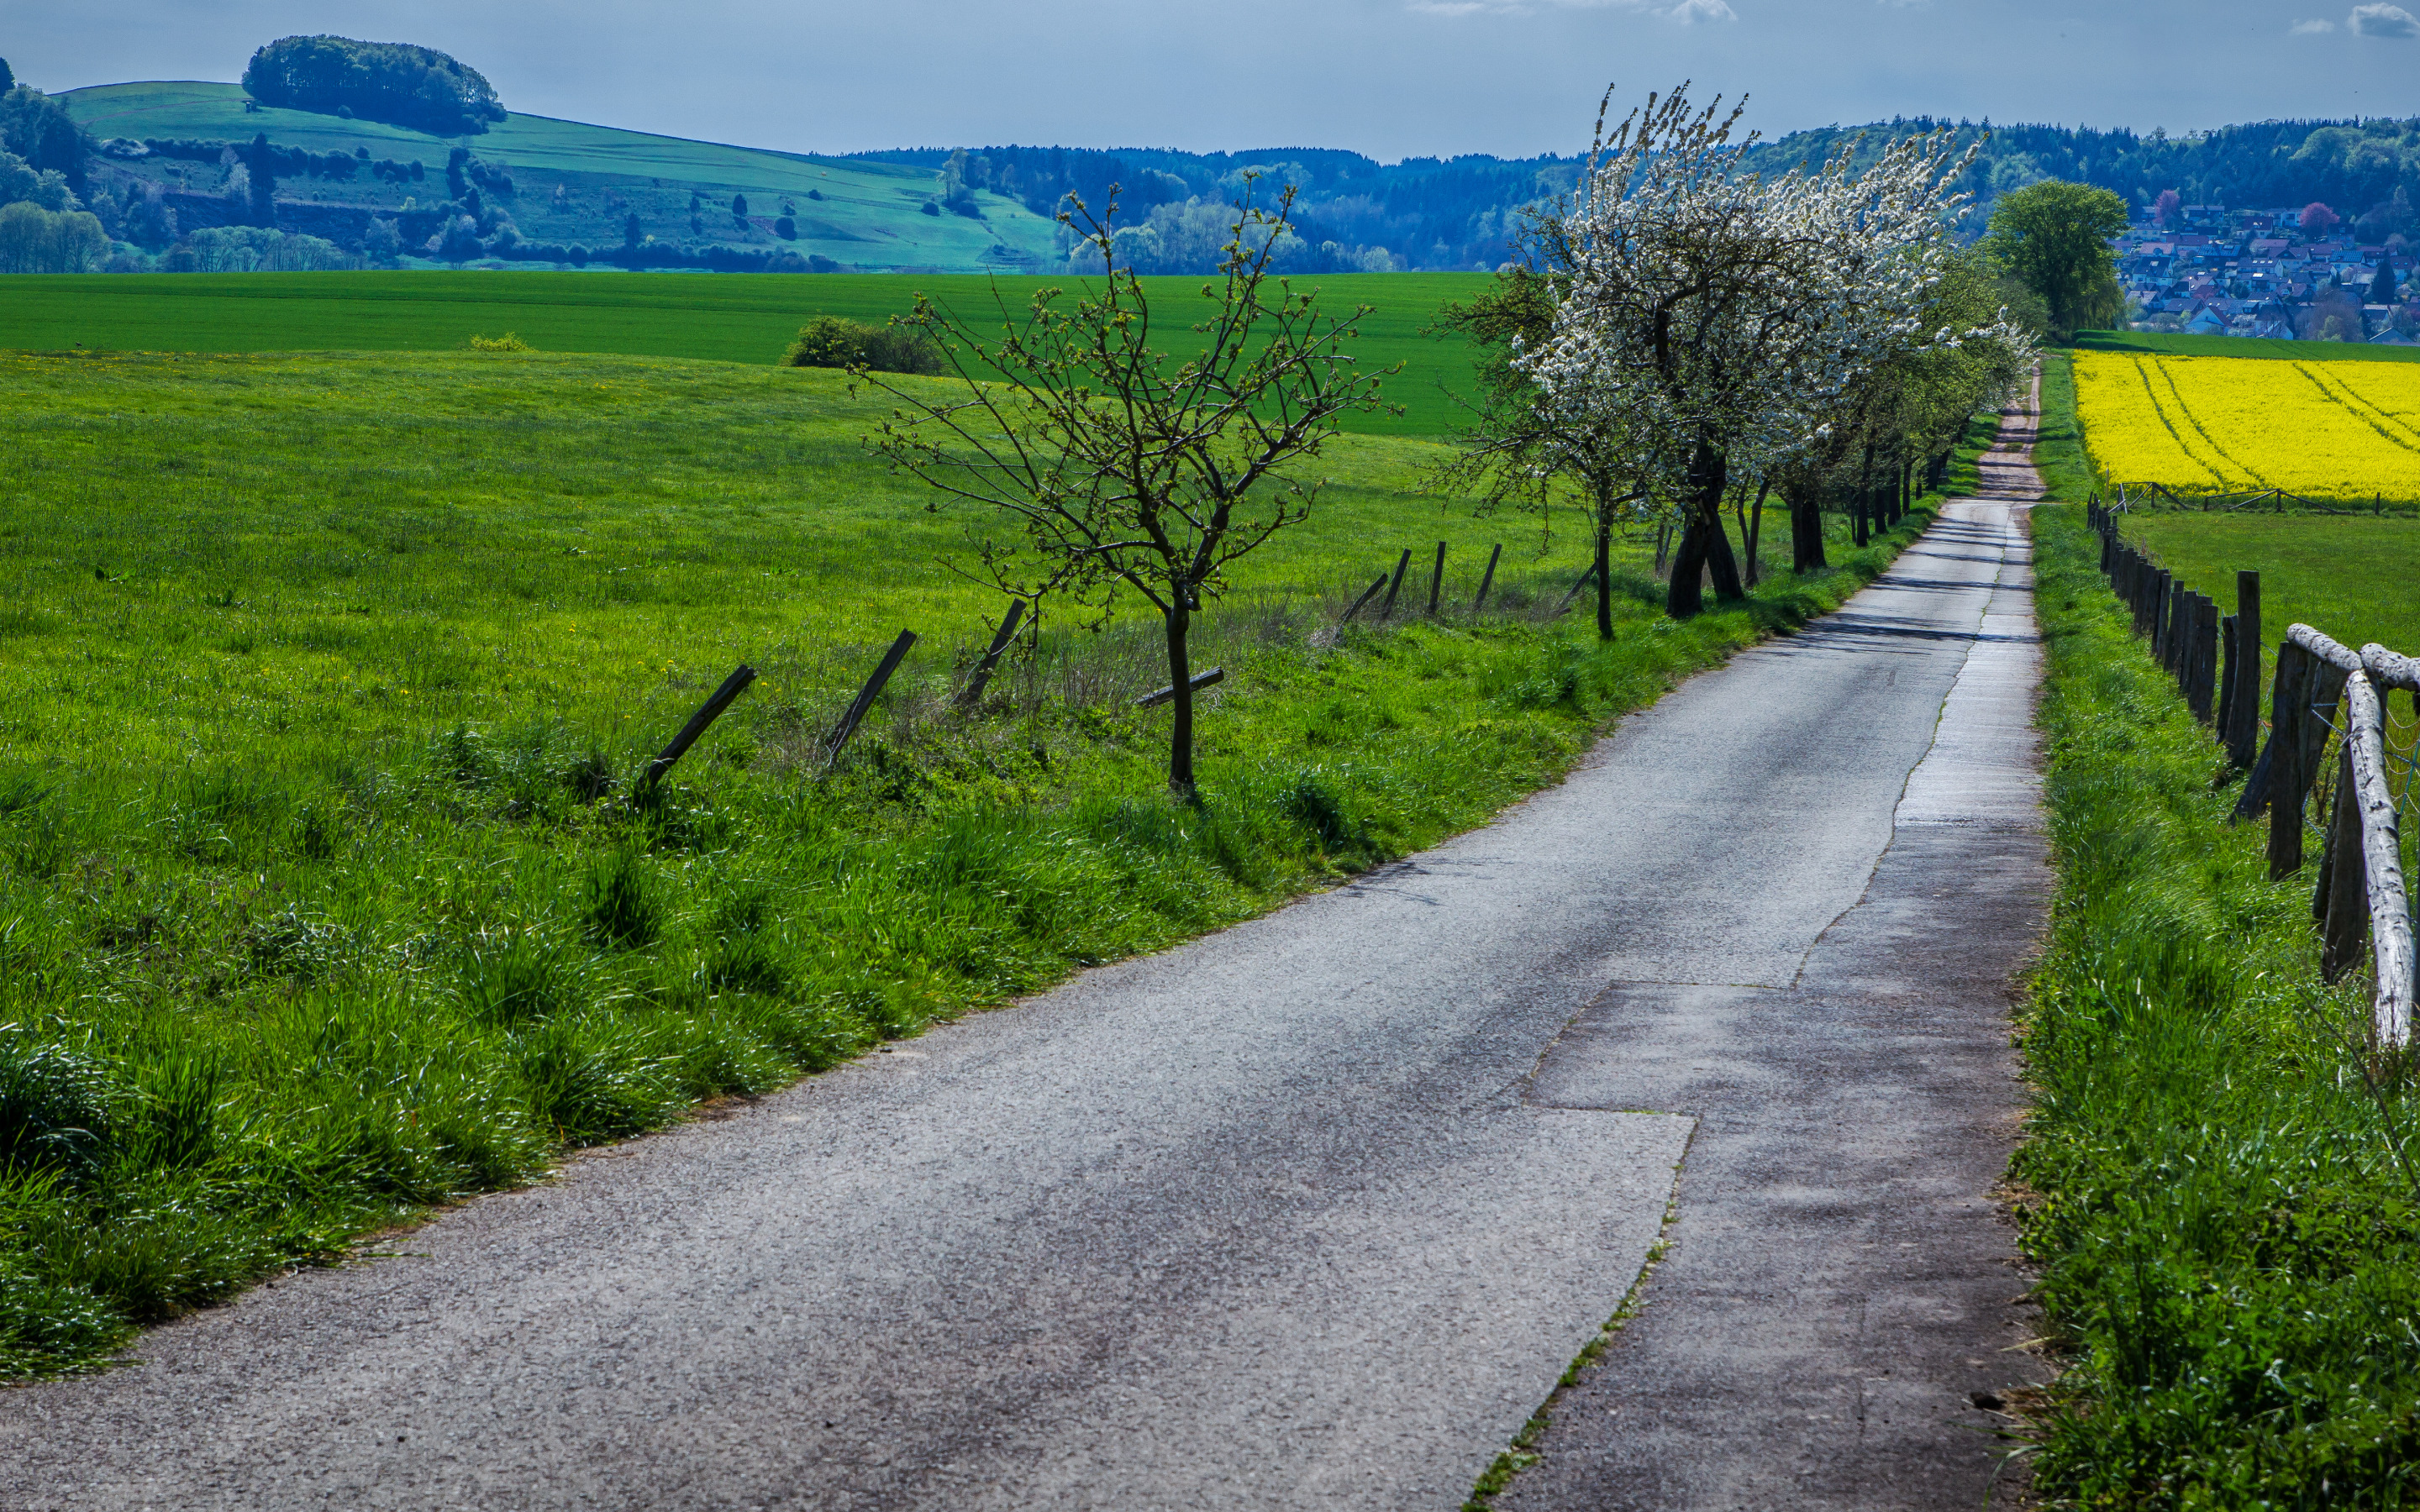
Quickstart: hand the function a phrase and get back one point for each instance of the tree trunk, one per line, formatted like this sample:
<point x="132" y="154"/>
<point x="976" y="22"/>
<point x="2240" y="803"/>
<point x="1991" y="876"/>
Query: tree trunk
<point x="1180" y="676"/>
<point x="1752" y="532"/>
<point x="1805" y="530"/>
<point x="1906" y="486"/>
<point x="1865" y="497"/>
<point x="1604" y="577"/>
<point x="1704" y="544"/>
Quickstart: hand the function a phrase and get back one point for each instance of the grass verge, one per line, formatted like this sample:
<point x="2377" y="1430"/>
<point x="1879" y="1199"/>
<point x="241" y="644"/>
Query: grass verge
<point x="2229" y="1228"/>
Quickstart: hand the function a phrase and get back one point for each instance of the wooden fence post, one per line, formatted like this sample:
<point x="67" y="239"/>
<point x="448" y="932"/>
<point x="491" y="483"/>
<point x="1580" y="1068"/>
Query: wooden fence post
<point x="1367" y="595"/>
<point x="1437" y="581"/>
<point x="981" y="674"/>
<point x="1387" y="610"/>
<point x="1587" y="577"/>
<point x="2202" y="667"/>
<point x="1197" y="682"/>
<point x="2226" y="669"/>
<point x="866" y="695"/>
<point x="707" y="713"/>
<point x="2341" y="903"/>
<point x="2324" y="666"/>
<point x="1488" y="581"/>
<point x="2244" y="727"/>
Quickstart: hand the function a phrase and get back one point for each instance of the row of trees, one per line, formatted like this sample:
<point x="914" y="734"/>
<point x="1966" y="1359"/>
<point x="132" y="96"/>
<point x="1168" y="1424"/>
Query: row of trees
<point x="1681" y="330"/>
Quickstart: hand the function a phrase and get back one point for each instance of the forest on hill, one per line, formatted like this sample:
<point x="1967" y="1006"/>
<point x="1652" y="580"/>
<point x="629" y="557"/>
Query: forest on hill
<point x="1457" y="213"/>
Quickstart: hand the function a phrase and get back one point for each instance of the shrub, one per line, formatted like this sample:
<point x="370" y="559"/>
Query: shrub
<point x="506" y="343"/>
<point x="829" y="341"/>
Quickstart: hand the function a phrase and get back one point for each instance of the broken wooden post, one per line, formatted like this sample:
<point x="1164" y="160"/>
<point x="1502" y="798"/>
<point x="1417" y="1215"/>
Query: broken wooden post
<point x="973" y="691"/>
<point x="1197" y="682"/>
<point x="1367" y="593"/>
<point x="1387" y="610"/>
<point x="1488" y="579"/>
<point x="707" y="713"/>
<point x="866" y="695"/>
<point x="1437" y="581"/>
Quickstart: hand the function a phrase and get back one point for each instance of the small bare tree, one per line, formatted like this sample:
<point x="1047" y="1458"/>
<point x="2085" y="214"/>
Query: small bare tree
<point x="1124" y="466"/>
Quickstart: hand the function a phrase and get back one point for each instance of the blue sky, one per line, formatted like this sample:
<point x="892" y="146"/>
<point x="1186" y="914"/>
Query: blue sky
<point x="1392" y="78"/>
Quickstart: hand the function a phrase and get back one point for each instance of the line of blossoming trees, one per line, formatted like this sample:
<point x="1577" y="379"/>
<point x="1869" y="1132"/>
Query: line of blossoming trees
<point x="1676" y="331"/>
<point x="1680" y="331"/>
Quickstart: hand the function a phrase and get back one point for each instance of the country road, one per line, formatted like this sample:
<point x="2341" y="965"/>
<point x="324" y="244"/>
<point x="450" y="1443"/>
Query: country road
<point x="1310" y="1213"/>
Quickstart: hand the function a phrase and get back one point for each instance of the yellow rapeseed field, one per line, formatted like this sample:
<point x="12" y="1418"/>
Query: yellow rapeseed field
<point x="2325" y="431"/>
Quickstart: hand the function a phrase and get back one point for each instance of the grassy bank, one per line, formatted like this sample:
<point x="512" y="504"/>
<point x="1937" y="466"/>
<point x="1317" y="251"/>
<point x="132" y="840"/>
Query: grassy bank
<point x="324" y="897"/>
<point x="2229" y="1227"/>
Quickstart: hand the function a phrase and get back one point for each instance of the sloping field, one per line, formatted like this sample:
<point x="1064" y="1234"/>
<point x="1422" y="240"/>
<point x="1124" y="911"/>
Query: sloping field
<point x="858" y="213"/>
<point x="730" y="317"/>
<point x="2341" y="431"/>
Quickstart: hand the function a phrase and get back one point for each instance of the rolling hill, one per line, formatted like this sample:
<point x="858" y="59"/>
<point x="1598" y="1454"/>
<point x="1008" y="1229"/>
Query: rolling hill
<point x="577" y="184"/>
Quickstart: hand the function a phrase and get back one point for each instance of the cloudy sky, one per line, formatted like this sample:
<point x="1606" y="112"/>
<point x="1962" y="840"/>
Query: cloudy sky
<point x="1392" y="78"/>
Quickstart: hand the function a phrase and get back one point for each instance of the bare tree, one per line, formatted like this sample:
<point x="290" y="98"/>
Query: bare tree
<point x="1124" y="467"/>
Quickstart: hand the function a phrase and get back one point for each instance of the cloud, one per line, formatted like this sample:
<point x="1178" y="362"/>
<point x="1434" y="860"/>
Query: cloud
<point x="1694" y="10"/>
<point x="2310" y="28"/>
<point x="2385" y="21"/>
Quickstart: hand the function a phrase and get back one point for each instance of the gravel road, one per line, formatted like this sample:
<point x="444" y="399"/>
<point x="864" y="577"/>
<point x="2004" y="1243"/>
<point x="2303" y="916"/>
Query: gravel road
<point x="1310" y="1213"/>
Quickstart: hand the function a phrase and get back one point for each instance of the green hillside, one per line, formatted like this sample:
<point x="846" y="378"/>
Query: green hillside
<point x="575" y="183"/>
<point x="749" y="319"/>
<point x="2180" y="345"/>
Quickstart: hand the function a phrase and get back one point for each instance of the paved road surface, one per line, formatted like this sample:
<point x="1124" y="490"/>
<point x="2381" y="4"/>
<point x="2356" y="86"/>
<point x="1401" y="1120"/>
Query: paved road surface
<point x="1311" y="1213"/>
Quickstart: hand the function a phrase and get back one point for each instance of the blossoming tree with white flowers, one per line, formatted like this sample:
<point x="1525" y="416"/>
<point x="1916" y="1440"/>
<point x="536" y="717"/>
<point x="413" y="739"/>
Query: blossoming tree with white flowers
<point x="1713" y="321"/>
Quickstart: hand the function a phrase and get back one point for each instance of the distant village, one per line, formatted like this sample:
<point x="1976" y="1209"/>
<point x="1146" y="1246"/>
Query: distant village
<point x="2300" y="274"/>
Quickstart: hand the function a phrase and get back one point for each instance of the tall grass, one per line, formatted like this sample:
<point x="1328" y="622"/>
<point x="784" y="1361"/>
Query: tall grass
<point x="2226" y="1214"/>
<point x="326" y="892"/>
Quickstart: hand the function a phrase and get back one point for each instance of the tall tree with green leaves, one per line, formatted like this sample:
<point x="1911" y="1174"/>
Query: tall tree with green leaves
<point x="2055" y="236"/>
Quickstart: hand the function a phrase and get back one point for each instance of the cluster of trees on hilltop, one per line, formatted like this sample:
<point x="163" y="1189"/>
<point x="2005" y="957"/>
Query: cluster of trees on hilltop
<point x="396" y="83"/>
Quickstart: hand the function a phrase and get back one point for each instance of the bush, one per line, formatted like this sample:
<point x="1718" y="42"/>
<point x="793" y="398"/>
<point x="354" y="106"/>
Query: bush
<point x="829" y="341"/>
<point x="506" y="343"/>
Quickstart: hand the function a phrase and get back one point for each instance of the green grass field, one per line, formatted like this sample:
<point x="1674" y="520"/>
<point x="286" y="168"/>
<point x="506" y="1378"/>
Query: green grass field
<point x="732" y="318"/>
<point x="2185" y="346"/>
<point x="2222" y="1201"/>
<point x="324" y="893"/>
<point x="868" y="213"/>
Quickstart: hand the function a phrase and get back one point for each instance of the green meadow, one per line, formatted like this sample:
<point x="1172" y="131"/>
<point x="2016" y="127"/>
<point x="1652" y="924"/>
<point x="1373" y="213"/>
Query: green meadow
<point x="729" y="317"/>
<point x="2179" y="343"/>
<point x="327" y="893"/>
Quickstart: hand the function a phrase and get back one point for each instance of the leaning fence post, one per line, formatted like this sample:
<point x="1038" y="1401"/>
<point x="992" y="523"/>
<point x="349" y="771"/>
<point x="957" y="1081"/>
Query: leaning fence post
<point x="2343" y="901"/>
<point x="1437" y="581"/>
<point x="1587" y="577"/>
<point x="981" y="674"/>
<point x="707" y="713"/>
<point x="1367" y="593"/>
<point x="1387" y="610"/>
<point x="866" y="695"/>
<point x="1488" y="579"/>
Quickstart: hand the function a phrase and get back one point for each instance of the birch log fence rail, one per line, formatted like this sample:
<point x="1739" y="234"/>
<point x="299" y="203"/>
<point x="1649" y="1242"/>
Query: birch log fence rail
<point x="2320" y="689"/>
